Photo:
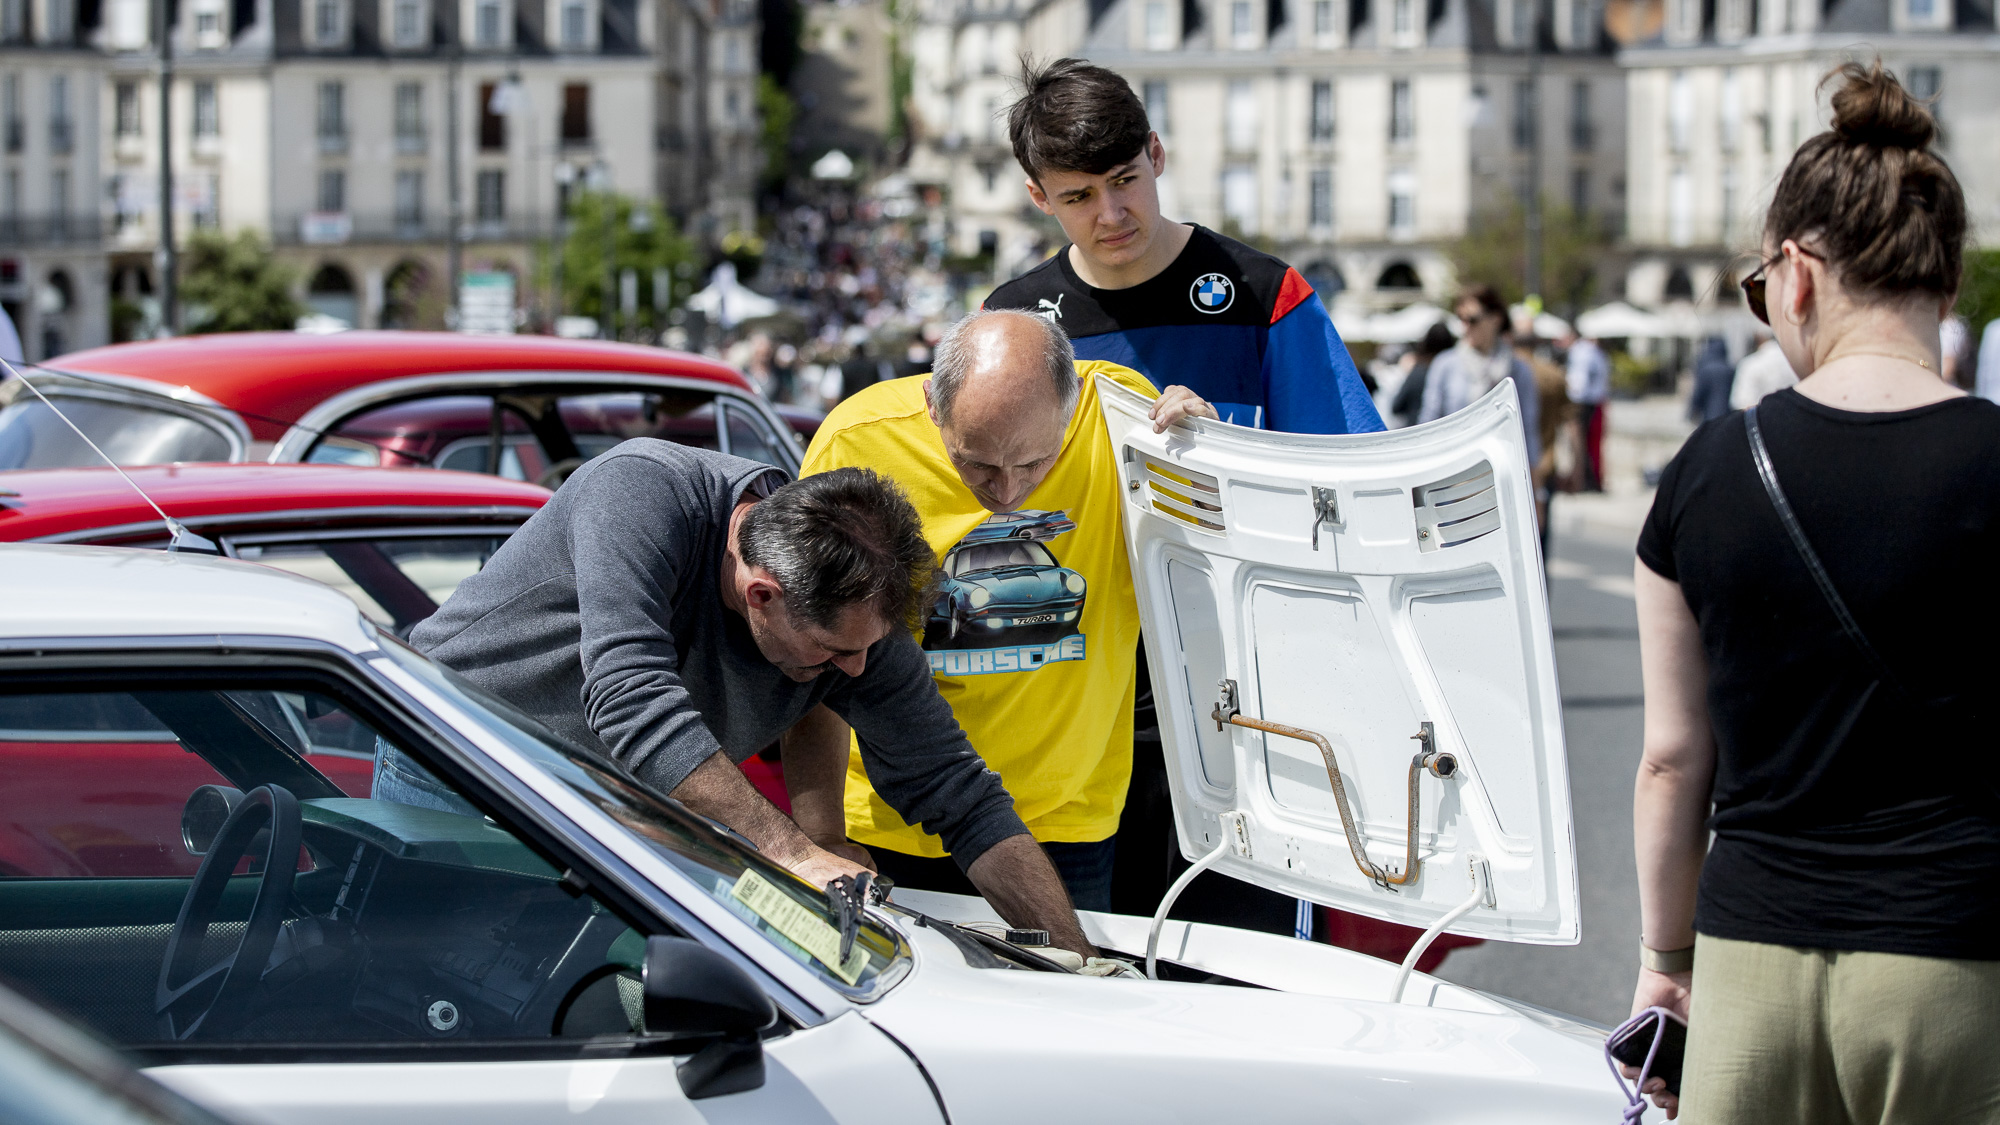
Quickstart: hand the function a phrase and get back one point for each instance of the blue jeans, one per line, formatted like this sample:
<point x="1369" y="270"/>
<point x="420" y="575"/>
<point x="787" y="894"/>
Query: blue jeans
<point x="401" y="781"/>
<point x="1085" y="870"/>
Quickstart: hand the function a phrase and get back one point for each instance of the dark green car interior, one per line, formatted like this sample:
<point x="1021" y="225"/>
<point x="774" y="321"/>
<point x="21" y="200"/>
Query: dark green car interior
<point x="390" y="923"/>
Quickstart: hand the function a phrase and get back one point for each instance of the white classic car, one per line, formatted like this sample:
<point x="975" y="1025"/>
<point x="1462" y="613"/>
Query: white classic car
<point x="244" y="919"/>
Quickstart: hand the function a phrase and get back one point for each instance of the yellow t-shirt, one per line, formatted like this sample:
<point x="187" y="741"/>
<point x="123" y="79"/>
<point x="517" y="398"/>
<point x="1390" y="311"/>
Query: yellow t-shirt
<point x="1033" y="640"/>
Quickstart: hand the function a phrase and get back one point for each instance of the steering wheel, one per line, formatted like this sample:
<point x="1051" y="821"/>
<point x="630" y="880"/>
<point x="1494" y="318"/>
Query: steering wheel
<point x="191" y="1000"/>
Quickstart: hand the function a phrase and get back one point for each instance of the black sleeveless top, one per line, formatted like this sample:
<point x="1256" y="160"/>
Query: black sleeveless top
<point x="1848" y="814"/>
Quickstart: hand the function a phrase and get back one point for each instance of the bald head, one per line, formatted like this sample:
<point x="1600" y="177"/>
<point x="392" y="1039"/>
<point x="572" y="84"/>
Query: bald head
<point x="1001" y="394"/>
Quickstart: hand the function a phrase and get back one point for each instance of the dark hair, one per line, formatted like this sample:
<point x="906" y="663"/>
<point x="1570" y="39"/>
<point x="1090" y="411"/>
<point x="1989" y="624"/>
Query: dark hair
<point x="1489" y="300"/>
<point x="1075" y="117"/>
<point x="1870" y="196"/>
<point x="838" y="539"/>
<point x="1437" y="341"/>
<point x="950" y="360"/>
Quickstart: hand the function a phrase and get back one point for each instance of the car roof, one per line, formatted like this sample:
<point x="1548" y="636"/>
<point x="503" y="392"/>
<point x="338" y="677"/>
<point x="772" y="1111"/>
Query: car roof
<point x="272" y="378"/>
<point x="62" y="591"/>
<point x="47" y="503"/>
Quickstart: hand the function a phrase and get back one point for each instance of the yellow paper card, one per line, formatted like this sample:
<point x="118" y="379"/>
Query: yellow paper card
<point x="805" y="929"/>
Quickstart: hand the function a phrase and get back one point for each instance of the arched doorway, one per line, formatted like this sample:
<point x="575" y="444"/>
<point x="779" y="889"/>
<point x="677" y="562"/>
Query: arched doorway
<point x="411" y="297"/>
<point x="1399" y="275"/>
<point x="1680" y="286"/>
<point x="331" y="293"/>
<point x="1326" y="280"/>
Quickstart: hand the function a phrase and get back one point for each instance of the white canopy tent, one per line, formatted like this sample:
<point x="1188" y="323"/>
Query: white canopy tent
<point x="727" y="302"/>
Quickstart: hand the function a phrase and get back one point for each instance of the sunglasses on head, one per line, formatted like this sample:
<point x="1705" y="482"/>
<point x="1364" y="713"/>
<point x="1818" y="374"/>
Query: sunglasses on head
<point x="1753" y="286"/>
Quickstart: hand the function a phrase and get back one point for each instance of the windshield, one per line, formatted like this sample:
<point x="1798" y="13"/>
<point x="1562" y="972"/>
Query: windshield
<point x="787" y="912"/>
<point x="33" y="437"/>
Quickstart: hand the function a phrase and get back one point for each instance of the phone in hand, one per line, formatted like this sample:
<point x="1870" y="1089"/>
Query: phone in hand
<point x="1632" y="1039"/>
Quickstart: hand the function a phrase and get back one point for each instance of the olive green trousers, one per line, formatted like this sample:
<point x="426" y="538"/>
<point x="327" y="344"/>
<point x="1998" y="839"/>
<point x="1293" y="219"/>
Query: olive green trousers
<point x="1778" y="1034"/>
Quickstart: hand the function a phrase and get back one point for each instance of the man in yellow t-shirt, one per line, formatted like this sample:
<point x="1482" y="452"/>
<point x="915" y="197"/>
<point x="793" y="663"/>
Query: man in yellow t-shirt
<point x="1033" y="637"/>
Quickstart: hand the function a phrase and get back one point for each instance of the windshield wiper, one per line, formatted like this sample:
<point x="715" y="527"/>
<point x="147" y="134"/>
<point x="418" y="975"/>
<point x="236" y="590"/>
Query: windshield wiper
<point x="848" y="897"/>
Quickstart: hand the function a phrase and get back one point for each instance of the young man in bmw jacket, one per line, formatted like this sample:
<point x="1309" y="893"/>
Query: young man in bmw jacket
<point x="1183" y="306"/>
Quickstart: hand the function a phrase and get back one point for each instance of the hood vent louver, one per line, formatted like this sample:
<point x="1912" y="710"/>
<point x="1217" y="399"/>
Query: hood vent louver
<point x="1177" y="493"/>
<point x="1456" y="510"/>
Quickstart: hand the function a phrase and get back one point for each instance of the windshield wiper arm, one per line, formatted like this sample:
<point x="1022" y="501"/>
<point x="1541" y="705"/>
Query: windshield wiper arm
<point x="848" y="897"/>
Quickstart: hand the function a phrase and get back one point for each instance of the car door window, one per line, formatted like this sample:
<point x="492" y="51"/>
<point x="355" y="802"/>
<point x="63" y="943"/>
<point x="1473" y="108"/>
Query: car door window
<point x="409" y="915"/>
<point x="750" y="438"/>
<point x="396" y="580"/>
<point x="545" y="432"/>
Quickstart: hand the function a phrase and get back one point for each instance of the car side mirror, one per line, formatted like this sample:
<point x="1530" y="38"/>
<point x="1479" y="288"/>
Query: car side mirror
<point x="691" y="990"/>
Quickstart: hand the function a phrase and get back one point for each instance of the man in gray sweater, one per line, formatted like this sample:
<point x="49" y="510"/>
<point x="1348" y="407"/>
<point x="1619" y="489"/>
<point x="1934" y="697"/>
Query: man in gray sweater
<point x="676" y="610"/>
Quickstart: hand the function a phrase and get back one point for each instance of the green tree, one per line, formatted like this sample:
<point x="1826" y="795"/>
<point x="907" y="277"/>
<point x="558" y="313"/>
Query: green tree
<point x="235" y="285"/>
<point x="778" y="112"/>
<point x="641" y="238"/>
<point x="1979" y="290"/>
<point x="1494" y="251"/>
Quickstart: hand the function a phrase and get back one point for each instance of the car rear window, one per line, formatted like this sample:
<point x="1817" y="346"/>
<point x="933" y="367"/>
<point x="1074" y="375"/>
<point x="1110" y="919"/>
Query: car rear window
<point x="33" y="437"/>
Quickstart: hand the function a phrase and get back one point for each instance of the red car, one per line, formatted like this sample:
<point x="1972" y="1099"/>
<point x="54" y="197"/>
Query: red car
<point x="525" y="407"/>
<point x="396" y="541"/>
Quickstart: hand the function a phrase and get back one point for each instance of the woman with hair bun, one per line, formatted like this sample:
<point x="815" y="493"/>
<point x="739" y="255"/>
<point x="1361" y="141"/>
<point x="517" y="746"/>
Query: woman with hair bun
<point x="1821" y="649"/>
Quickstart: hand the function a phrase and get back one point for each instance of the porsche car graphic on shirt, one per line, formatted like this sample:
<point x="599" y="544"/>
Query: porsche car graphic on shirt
<point x="1005" y="602"/>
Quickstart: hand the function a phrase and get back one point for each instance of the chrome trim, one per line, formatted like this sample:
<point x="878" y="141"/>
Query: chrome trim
<point x="508" y="516"/>
<point x="315" y="423"/>
<point x="421" y="531"/>
<point x="181" y="402"/>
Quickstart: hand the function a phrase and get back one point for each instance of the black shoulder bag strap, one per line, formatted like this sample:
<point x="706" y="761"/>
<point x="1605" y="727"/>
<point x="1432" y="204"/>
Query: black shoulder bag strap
<point x="1769" y="475"/>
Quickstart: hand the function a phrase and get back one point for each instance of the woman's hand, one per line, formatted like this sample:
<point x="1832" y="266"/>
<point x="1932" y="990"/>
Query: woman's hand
<point x="1661" y="990"/>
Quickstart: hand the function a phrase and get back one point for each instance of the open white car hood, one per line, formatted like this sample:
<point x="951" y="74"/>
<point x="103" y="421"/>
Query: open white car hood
<point x="1363" y="588"/>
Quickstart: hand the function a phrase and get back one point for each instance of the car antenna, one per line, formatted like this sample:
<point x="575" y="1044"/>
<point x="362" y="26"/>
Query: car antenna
<point x="183" y="539"/>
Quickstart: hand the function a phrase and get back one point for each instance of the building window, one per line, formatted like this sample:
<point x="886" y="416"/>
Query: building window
<point x="10" y="110"/>
<point x="492" y="123"/>
<point x="1319" y="212"/>
<point x="1524" y="113"/>
<point x="1924" y="15"/>
<point x="205" y="209"/>
<point x="1156" y="105"/>
<point x="126" y="117"/>
<point x="1403" y="21"/>
<point x="576" y="114"/>
<point x="1322" y="110"/>
<point x="332" y="120"/>
<point x="990" y="173"/>
<point x="1521" y="22"/>
<point x="59" y="202"/>
<point x="490" y="196"/>
<point x="62" y="129"/>
<point x="1241" y="120"/>
<point x="1728" y="202"/>
<point x="329" y="22"/>
<point x="410" y="132"/>
<point x="486" y="25"/>
<point x="208" y="27"/>
<point x="1242" y="24"/>
<point x="1402" y="204"/>
<point x="1925" y="83"/>
<point x="1680" y="111"/>
<point x="1579" y="191"/>
<point x="1323" y="28"/>
<point x="61" y="21"/>
<point x="1680" y="207"/>
<point x="1159" y="28"/>
<point x="1582" y="131"/>
<point x="409" y="201"/>
<point x="10" y="202"/>
<point x="1239" y="196"/>
<point x="1583" y="24"/>
<point x="576" y="26"/>
<point x="207" y="119"/>
<point x="1402" y="113"/>
<point x="332" y="197"/>
<point x="406" y="24"/>
<point x="13" y="20"/>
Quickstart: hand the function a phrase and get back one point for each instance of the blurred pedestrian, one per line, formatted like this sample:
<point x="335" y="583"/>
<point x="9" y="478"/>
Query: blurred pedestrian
<point x="1830" y="930"/>
<point x="1409" y="401"/>
<point x="1590" y="389"/>
<point x="1765" y="371"/>
<point x="1478" y="363"/>
<point x="1713" y="376"/>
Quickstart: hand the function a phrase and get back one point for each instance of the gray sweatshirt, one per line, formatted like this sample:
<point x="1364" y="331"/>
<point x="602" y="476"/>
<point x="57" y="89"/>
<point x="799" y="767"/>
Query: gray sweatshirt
<point x="603" y="618"/>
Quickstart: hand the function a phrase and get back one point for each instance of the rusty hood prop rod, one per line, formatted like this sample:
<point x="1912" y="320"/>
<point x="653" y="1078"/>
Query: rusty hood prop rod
<point x="1427" y="758"/>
